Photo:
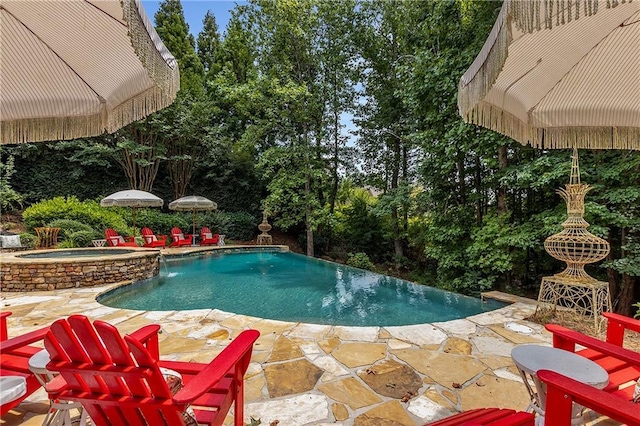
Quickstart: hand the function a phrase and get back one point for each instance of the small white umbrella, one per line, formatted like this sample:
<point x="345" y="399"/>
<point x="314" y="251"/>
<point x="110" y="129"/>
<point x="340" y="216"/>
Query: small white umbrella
<point x="193" y="203"/>
<point x="132" y="198"/>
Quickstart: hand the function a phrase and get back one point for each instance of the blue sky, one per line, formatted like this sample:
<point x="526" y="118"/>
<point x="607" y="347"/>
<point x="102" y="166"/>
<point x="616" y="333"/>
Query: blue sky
<point x="194" y="11"/>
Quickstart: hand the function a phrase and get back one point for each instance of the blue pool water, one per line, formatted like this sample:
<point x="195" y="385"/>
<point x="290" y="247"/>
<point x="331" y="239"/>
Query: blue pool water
<point x="292" y="287"/>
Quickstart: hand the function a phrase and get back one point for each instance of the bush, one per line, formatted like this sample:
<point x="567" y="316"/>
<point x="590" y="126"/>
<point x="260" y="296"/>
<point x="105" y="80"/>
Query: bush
<point x="161" y="223"/>
<point x="74" y="233"/>
<point x="87" y="212"/>
<point x="240" y="226"/>
<point x="360" y="260"/>
<point x="28" y="240"/>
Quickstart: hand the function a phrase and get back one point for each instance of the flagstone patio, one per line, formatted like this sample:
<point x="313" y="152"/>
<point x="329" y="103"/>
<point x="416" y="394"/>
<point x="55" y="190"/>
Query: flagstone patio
<point x="308" y="374"/>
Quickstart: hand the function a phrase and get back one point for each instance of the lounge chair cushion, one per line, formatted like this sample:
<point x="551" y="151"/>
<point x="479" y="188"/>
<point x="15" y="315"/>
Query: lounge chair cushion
<point x="174" y="381"/>
<point x="10" y="241"/>
<point x="208" y="235"/>
<point x="120" y="239"/>
<point x="180" y="236"/>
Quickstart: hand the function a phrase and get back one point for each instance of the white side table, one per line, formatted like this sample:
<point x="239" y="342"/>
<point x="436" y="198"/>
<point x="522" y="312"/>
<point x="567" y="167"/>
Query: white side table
<point x="531" y="358"/>
<point x="221" y="239"/>
<point x="59" y="413"/>
<point x="99" y="243"/>
<point x="12" y="388"/>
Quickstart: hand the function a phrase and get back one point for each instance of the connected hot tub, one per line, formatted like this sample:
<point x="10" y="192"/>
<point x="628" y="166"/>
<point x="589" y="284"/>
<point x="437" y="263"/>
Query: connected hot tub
<point x="69" y="268"/>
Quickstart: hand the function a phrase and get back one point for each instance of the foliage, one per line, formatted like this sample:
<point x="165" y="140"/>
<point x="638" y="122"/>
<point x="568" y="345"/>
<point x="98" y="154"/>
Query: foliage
<point x="75" y="233"/>
<point x="360" y="260"/>
<point x="161" y="223"/>
<point x="239" y="226"/>
<point x="87" y="212"/>
<point x="10" y="199"/>
<point x="28" y="240"/>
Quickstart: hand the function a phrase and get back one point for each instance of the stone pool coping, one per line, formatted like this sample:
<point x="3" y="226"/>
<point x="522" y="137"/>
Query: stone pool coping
<point x="309" y="374"/>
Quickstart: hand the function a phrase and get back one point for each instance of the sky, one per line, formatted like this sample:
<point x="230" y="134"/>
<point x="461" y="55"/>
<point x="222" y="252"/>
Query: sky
<point x="194" y="11"/>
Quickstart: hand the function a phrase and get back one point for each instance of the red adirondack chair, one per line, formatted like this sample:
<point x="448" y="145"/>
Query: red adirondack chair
<point x="119" y="380"/>
<point x="486" y="416"/>
<point x="15" y="358"/>
<point x="208" y="238"/>
<point x="623" y="365"/>
<point x="562" y="392"/>
<point x="116" y="240"/>
<point x="151" y="240"/>
<point x="179" y="238"/>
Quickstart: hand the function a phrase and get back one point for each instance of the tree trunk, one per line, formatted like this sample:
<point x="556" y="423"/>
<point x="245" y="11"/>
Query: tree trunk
<point x="503" y="163"/>
<point x="395" y="226"/>
<point x="626" y="295"/>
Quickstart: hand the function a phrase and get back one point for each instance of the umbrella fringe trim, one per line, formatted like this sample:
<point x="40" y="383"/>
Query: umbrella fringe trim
<point x="65" y="128"/>
<point x="161" y="66"/>
<point x="604" y="137"/>
<point x="483" y="72"/>
<point x="534" y="15"/>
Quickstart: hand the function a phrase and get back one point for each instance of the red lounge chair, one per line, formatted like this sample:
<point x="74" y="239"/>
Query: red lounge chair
<point x="206" y="237"/>
<point x="151" y="240"/>
<point x="115" y="240"/>
<point x="119" y="382"/>
<point x="623" y="365"/>
<point x="179" y="238"/>
<point x="487" y="416"/>
<point x="14" y="360"/>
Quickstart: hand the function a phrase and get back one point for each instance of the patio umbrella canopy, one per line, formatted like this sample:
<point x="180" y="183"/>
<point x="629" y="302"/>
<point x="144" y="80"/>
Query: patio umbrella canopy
<point x="132" y="198"/>
<point x="193" y="203"/>
<point x="78" y="68"/>
<point x="559" y="74"/>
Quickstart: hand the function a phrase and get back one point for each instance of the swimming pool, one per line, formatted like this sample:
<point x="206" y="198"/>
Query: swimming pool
<point x="293" y="287"/>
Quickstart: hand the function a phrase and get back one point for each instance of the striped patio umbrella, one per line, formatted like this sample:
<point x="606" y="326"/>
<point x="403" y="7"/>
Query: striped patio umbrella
<point x="559" y="74"/>
<point x="77" y="68"/>
<point x="133" y="198"/>
<point x="193" y="203"/>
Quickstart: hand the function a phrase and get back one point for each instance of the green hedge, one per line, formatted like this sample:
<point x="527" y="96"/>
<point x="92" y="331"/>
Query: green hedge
<point x="87" y="212"/>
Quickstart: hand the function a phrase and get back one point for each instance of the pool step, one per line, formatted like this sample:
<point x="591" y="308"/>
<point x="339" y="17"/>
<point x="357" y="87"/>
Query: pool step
<point x="506" y="297"/>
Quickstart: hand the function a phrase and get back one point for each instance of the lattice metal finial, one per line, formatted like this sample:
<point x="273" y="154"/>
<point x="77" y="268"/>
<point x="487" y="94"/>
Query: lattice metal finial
<point x="575" y="245"/>
<point x="574" y="178"/>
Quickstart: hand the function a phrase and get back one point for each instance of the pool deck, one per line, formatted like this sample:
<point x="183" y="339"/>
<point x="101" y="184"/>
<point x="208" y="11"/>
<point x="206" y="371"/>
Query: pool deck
<point x="307" y="374"/>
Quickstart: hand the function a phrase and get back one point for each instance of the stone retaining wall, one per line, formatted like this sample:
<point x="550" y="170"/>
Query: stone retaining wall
<point x="33" y="276"/>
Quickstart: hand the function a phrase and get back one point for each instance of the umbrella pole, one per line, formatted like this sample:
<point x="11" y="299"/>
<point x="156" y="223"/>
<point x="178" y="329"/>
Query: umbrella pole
<point x="193" y="221"/>
<point x="134" y="221"/>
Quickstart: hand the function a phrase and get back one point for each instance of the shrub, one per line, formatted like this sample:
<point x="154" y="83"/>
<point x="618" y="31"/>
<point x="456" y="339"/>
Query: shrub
<point x="83" y="238"/>
<point x="74" y="233"/>
<point x="234" y="225"/>
<point x="87" y="212"/>
<point x="28" y="240"/>
<point x="360" y="260"/>
<point x="161" y="223"/>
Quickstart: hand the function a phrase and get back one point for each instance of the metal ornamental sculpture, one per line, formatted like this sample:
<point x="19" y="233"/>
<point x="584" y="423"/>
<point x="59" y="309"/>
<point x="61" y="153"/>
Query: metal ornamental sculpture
<point x="576" y="246"/>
